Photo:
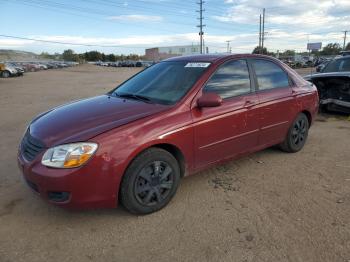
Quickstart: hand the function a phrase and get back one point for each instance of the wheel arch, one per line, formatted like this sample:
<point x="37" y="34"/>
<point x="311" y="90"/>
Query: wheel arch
<point x="176" y="152"/>
<point x="171" y="148"/>
<point x="308" y="115"/>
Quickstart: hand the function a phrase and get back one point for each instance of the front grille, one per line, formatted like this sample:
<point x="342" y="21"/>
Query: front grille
<point x="31" y="147"/>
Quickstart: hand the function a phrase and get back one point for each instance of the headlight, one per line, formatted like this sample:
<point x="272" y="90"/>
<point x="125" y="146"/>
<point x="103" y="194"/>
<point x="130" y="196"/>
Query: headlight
<point x="69" y="155"/>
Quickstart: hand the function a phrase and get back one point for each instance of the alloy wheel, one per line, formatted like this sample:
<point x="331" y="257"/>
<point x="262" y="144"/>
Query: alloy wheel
<point x="299" y="131"/>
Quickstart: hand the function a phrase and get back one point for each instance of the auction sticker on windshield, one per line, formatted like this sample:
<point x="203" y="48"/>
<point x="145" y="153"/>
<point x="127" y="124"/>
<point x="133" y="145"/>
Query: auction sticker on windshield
<point x="197" y="64"/>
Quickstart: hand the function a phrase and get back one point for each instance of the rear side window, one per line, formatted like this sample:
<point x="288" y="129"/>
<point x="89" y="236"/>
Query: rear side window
<point x="337" y="65"/>
<point x="231" y="79"/>
<point x="270" y="75"/>
<point x="345" y="65"/>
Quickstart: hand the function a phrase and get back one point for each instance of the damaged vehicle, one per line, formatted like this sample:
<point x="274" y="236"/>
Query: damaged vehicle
<point x="333" y="85"/>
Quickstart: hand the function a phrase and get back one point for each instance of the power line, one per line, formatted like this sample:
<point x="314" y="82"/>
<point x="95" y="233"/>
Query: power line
<point x="65" y="43"/>
<point x="69" y="12"/>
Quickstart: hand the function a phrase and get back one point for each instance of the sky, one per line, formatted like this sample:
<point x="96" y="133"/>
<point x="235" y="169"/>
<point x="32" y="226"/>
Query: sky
<point x="123" y="27"/>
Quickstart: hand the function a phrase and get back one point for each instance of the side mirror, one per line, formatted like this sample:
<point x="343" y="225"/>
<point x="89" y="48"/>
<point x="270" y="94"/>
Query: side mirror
<point x="209" y="100"/>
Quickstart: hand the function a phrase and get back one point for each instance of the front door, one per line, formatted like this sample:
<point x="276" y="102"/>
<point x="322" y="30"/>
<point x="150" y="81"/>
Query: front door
<point x="232" y="128"/>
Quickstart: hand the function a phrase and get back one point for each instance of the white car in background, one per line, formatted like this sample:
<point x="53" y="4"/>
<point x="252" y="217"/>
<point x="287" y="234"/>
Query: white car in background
<point x="8" y="71"/>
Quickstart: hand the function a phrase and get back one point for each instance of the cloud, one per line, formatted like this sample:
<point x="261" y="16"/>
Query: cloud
<point x="276" y="39"/>
<point x="290" y="24"/>
<point x="308" y="15"/>
<point x="13" y="43"/>
<point x="136" y="18"/>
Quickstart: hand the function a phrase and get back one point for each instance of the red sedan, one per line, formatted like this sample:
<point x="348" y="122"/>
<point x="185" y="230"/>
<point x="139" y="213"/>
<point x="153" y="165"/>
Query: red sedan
<point x="171" y="120"/>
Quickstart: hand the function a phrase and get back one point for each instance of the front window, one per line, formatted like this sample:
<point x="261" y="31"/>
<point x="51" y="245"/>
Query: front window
<point x="231" y="79"/>
<point x="164" y="83"/>
<point x="337" y="65"/>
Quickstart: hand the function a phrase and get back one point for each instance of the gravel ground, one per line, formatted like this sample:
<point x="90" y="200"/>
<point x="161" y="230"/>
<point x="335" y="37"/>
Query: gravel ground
<point x="271" y="206"/>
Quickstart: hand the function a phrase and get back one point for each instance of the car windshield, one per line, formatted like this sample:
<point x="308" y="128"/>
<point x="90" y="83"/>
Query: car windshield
<point x="338" y="65"/>
<point x="163" y="83"/>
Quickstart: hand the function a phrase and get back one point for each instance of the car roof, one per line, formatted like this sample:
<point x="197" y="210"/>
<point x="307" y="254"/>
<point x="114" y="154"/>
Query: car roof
<point x="213" y="58"/>
<point x="342" y="57"/>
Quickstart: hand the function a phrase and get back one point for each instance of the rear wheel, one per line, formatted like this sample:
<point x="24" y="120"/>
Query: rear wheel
<point x="297" y="135"/>
<point x="150" y="181"/>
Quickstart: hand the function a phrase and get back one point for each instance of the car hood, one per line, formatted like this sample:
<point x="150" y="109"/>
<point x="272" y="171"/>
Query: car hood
<point x="84" y="119"/>
<point x="10" y="68"/>
<point x="331" y="74"/>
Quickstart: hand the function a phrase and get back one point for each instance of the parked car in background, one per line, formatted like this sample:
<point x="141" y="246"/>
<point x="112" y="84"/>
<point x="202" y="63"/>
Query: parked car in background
<point x="31" y="67"/>
<point x="18" y="67"/>
<point x="146" y="64"/>
<point x="321" y="66"/>
<point x="345" y="53"/>
<point x="133" y="144"/>
<point x="333" y="84"/>
<point x="50" y="66"/>
<point x="42" y="66"/>
<point x="138" y="64"/>
<point x="7" y="70"/>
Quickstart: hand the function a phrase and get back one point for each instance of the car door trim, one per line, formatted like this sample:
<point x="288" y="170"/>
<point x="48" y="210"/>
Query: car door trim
<point x="229" y="138"/>
<point x="274" y="125"/>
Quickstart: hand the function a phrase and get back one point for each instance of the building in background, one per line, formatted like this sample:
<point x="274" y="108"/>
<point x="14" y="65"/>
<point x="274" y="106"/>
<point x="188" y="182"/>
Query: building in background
<point x="160" y="53"/>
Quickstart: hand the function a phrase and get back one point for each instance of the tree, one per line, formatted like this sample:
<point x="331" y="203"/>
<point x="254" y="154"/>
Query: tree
<point x="111" y="58"/>
<point x="103" y="57"/>
<point x="331" y="49"/>
<point x="288" y="53"/>
<point x="347" y="48"/>
<point x="259" y="50"/>
<point x="46" y="55"/>
<point x="69" y="55"/>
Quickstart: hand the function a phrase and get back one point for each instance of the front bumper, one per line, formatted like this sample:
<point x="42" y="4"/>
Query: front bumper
<point x="88" y="187"/>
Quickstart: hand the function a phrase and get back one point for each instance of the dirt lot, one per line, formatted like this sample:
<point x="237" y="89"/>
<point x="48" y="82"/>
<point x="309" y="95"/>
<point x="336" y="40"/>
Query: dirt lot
<point x="271" y="206"/>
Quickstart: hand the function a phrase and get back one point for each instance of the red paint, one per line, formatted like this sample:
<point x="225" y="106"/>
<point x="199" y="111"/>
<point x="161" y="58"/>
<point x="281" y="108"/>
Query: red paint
<point x="124" y="128"/>
<point x="209" y="100"/>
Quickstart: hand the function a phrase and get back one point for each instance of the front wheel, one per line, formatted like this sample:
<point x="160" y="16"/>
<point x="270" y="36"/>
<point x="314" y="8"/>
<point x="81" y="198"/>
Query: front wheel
<point x="150" y="181"/>
<point x="5" y="74"/>
<point x="297" y="135"/>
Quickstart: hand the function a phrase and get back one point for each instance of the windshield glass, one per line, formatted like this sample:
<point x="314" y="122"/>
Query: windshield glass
<point x="164" y="83"/>
<point x="338" y="65"/>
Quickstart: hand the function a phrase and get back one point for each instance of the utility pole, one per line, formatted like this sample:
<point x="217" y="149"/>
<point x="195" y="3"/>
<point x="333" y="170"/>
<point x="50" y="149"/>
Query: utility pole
<point x="228" y="46"/>
<point x="344" y="45"/>
<point x="203" y="46"/>
<point x="260" y="34"/>
<point x="201" y="33"/>
<point x="263" y="31"/>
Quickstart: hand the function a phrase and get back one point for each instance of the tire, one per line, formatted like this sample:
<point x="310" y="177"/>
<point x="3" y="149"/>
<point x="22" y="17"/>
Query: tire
<point x="5" y="74"/>
<point x="150" y="181"/>
<point x="297" y="135"/>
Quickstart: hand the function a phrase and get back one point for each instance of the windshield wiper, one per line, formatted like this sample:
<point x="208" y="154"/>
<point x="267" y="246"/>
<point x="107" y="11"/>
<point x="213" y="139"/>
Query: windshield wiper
<point x="135" y="97"/>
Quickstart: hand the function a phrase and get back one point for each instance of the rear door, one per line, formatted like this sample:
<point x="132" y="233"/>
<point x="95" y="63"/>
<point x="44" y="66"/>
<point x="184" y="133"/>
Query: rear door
<point x="276" y="102"/>
<point x="232" y="128"/>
